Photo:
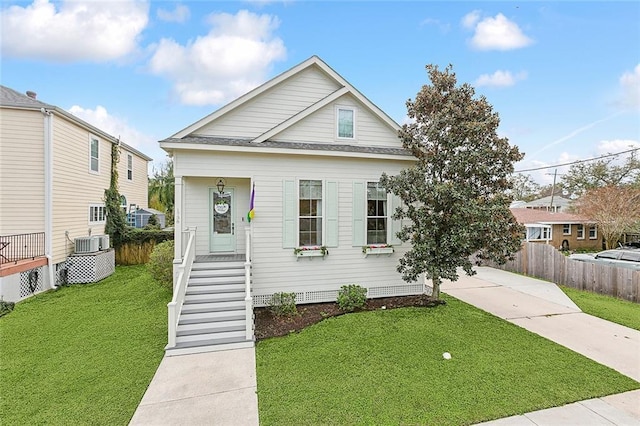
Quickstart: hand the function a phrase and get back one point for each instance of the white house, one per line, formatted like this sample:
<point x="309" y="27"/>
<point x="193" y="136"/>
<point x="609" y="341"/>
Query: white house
<point x="311" y="149"/>
<point x="54" y="169"/>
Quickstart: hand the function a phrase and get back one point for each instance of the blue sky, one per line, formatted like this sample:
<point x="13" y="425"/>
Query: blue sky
<point x="564" y="76"/>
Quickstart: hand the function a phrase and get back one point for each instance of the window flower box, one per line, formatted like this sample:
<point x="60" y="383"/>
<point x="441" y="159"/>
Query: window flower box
<point x="376" y="249"/>
<point x="311" y="251"/>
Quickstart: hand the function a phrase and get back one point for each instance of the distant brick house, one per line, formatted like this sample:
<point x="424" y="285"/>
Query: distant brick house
<point x="562" y="230"/>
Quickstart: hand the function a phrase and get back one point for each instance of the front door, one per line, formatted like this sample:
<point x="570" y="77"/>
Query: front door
<point x="222" y="223"/>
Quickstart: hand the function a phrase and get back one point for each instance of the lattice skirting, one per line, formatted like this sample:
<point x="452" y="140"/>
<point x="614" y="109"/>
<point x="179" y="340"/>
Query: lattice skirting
<point x="90" y="267"/>
<point x="321" y="296"/>
<point x="31" y="282"/>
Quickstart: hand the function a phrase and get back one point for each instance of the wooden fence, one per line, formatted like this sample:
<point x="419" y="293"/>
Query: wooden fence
<point x="547" y="263"/>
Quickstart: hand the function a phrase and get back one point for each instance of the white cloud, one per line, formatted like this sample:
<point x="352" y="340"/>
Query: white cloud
<point x="471" y="19"/>
<point x="180" y="14"/>
<point x="442" y="26"/>
<point x="545" y="176"/>
<point x="233" y="58"/>
<point x="498" y="33"/>
<point x="73" y="30"/>
<point x="500" y="79"/>
<point x="117" y="127"/>
<point x="630" y="85"/>
<point x="616" y="145"/>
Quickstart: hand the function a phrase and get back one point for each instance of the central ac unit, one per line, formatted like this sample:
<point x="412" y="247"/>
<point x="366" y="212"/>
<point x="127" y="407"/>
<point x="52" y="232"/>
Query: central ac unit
<point x="103" y="242"/>
<point x="87" y="244"/>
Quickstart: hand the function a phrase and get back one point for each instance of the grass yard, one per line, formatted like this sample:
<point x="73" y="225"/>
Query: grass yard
<point x="609" y="308"/>
<point x="84" y="354"/>
<point x="386" y="367"/>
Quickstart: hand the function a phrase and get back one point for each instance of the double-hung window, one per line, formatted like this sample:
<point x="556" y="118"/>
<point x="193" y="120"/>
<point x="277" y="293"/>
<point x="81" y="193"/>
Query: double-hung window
<point x="376" y="214"/>
<point x="593" y="233"/>
<point x="97" y="214"/>
<point x="345" y="118"/>
<point x="580" y="232"/>
<point x="94" y="154"/>
<point x="566" y="229"/>
<point x="310" y="213"/>
<point x="129" y="167"/>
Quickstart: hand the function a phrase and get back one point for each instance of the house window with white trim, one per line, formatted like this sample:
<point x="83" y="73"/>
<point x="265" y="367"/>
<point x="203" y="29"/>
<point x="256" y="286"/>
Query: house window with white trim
<point x="129" y="167"/>
<point x="538" y="233"/>
<point x="345" y="118"/>
<point x="376" y="214"/>
<point x="580" y="232"/>
<point x="97" y="214"/>
<point x="310" y="213"/>
<point x="566" y="229"/>
<point x="94" y="154"/>
<point x="593" y="233"/>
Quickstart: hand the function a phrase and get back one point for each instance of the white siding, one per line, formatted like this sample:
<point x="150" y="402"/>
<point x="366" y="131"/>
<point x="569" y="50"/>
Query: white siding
<point x="273" y="106"/>
<point x="21" y="171"/>
<point x="321" y="126"/>
<point x="135" y="190"/>
<point x="276" y="269"/>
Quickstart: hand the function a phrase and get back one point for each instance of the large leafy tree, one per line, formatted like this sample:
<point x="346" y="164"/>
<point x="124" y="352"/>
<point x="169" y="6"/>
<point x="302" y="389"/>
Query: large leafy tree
<point x="615" y="209"/>
<point x="524" y="187"/>
<point x="455" y="193"/>
<point x="604" y="172"/>
<point x="161" y="190"/>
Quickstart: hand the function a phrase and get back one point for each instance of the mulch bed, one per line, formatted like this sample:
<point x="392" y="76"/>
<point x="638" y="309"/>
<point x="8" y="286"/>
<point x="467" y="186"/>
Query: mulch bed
<point x="269" y="325"/>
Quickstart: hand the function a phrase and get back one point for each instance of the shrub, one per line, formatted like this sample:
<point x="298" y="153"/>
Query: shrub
<point x="6" y="307"/>
<point x="152" y="223"/>
<point x="283" y="304"/>
<point x="161" y="263"/>
<point x="351" y="297"/>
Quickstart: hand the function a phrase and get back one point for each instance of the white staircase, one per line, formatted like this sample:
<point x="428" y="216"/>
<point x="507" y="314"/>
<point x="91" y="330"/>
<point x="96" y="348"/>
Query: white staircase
<point x="213" y="315"/>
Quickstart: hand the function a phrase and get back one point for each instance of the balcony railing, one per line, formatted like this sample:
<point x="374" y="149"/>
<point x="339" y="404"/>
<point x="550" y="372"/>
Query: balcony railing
<point x="14" y="248"/>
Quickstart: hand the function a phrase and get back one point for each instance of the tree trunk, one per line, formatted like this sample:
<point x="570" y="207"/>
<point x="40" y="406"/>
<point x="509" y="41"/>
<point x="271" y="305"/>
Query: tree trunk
<point x="436" y="288"/>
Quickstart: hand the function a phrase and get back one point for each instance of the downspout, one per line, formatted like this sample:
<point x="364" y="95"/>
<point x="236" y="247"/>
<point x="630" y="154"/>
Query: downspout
<point x="48" y="194"/>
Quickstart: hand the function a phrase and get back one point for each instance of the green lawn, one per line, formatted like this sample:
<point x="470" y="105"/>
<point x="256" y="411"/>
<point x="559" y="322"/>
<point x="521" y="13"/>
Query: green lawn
<point x="386" y="367"/>
<point x="606" y="307"/>
<point x="84" y="354"/>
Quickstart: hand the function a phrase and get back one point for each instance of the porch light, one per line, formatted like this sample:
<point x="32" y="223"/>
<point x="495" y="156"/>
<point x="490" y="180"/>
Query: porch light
<point x="220" y="186"/>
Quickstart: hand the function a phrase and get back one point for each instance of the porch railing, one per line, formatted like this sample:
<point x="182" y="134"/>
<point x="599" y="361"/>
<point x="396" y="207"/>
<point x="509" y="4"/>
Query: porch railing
<point x="16" y="247"/>
<point x="184" y="270"/>
<point x="248" y="301"/>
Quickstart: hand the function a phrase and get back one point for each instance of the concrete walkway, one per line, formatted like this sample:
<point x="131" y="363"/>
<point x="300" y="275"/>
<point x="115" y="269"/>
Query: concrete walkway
<point x="542" y="308"/>
<point x="219" y="388"/>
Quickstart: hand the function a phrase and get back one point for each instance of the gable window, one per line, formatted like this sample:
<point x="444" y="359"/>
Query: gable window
<point x="580" y="232"/>
<point x="346" y="123"/>
<point x="593" y="234"/>
<point x="129" y="167"/>
<point x="566" y="229"/>
<point x="94" y="154"/>
<point x="97" y="214"/>
<point x="376" y="214"/>
<point x="310" y="213"/>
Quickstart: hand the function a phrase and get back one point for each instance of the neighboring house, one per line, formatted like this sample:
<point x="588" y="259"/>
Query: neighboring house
<point x="54" y="169"/>
<point x="311" y="149"/>
<point x="562" y="230"/>
<point x="556" y="203"/>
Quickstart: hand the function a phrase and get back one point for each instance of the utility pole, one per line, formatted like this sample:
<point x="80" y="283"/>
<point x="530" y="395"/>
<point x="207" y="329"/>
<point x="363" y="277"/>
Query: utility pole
<point x="553" y="188"/>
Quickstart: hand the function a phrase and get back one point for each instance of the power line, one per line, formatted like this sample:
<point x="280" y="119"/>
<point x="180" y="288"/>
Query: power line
<point x="577" y="161"/>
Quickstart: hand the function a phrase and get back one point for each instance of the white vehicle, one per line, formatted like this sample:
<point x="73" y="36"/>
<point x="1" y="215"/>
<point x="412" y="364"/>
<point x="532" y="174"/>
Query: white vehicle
<point x="627" y="258"/>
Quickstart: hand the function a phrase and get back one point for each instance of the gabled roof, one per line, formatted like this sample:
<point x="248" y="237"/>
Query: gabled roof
<point x="558" y="200"/>
<point x="345" y="88"/>
<point x="14" y="99"/>
<point x="529" y="216"/>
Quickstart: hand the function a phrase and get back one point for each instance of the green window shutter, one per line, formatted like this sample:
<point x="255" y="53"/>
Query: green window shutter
<point x="332" y="214"/>
<point x="396" y="225"/>
<point x="359" y="214"/>
<point x="289" y="214"/>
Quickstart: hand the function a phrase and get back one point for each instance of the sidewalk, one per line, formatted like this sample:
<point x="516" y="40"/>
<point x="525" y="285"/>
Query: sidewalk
<point x="542" y="308"/>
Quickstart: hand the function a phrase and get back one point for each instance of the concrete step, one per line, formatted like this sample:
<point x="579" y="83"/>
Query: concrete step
<point x="193" y="281"/>
<point x="211" y="327"/>
<point x="216" y="288"/>
<point x="194" y="308"/>
<point x="188" y="350"/>
<point x="211" y="338"/>
<point x="209" y="317"/>
<point x="212" y="298"/>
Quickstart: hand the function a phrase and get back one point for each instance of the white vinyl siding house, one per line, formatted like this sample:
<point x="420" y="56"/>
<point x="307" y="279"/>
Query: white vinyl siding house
<point x="313" y="148"/>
